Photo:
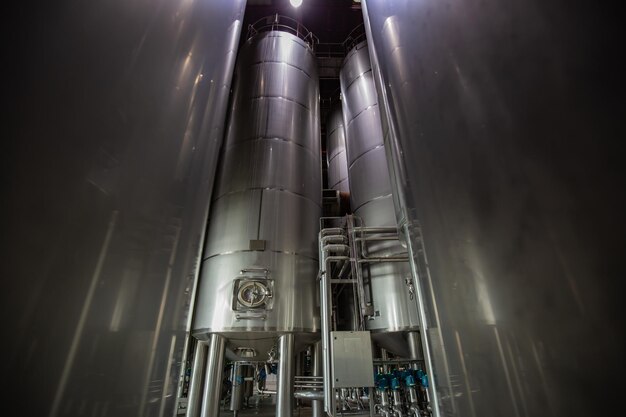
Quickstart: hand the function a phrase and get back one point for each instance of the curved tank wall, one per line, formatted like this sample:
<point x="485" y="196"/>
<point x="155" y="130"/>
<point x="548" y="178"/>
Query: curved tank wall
<point x="371" y="197"/>
<point x="502" y="120"/>
<point x="260" y="258"/>
<point x="117" y="117"/>
<point x="336" y="159"/>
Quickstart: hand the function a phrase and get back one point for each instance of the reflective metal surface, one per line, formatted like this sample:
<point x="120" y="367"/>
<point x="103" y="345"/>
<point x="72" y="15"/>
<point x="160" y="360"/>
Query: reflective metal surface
<point x="351" y="359"/>
<point x="194" y="396"/>
<point x="336" y="151"/>
<point x="371" y="199"/>
<point x="115" y="130"/>
<point x="212" y="392"/>
<point x="317" y="406"/>
<point x="237" y="388"/>
<point x="266" y="207"/>
<point x="284" y="397"/>
<point x="499" y="116"/>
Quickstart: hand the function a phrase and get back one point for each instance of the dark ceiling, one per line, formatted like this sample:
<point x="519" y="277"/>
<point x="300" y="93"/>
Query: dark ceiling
<point x="329" y="20"/>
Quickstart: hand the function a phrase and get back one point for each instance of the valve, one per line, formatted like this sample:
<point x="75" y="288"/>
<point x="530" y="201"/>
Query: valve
<point x="382" y="383"/>
<point x="395" y="384"/>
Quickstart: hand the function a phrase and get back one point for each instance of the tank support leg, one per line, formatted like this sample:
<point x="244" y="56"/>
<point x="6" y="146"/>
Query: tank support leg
<point x="284" y="398"/>
<point x="415" y="346"/>
<point x="236" y="396"/>
<point x="318" y="405"/>
<point x="213" y="377"/>
<point x="194" y="398"/>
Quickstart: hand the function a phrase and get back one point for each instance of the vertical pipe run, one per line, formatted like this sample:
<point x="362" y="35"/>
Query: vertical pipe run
<point x="384" y="356"/>
<point x="236" y="397"/>
<point x="284" y="397"/>
<point x="194" y="398"/>
<point x="415" y="348"/>
<point x="325" y="307"/>
<point x="213" y="378"/>
<point x="419" y="299"/>
<point x="317" y="406"/>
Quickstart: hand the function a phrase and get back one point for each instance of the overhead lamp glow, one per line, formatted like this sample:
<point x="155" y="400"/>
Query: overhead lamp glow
<point x="295" y="3"/>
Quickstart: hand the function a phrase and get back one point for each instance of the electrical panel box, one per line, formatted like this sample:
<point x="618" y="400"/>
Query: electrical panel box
<point x="351" y="358"/>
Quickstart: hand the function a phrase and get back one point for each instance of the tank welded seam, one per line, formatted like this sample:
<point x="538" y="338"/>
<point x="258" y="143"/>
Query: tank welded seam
<point x="278" y="97"/>
<point x="361" y="112"/>
<point x="284" y="252"/>
<point x="339" y="182"/>
<point x="335" y="129"/>
<point x="356" y="50"/>
<point x="232" y="339"/>
<point x="271" y="188"/>
<point x="380" y="197"/>
<point x="227" y="330"/>
<point x="379" y="330"/>
<point x="257" y="63"/>
<point x="357" y="77"/>
<point x="350" y="165"/>
<point x="274" y="138"/>
<point x="280" y="34"/>
<point x="332" y="158"/>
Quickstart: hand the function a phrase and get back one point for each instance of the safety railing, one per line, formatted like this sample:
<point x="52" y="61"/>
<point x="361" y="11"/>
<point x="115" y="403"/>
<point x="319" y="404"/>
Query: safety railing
<point x="285" y="24"/>
<point x="356" y="36"/>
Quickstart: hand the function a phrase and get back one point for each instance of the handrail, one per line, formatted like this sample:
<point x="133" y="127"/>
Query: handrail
<point x="286" y="24"/>
<point x="356" y="36"/>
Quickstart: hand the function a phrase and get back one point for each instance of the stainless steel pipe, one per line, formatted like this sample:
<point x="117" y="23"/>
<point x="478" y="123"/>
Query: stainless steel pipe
<point x="213" y="377"/>
<point x="194" y="398"/>
<point x="426" y="353"/>
<point x="284" y="397"/>
<point x="384" y="356"/>
<point x="236" y="397"/>
<point x="325" y="310"/>
<point x="315" y="396"/>
<point x="317" y="406"/>
<point x="415" y="347"/>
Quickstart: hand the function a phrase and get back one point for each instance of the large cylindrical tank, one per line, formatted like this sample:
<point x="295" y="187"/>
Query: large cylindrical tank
<point x="260" y="258"/>
<point x="502" y="121"/>
<point x="337" y="162"/>
<point x="336" y="159"/>
<point x="371" y="196"/>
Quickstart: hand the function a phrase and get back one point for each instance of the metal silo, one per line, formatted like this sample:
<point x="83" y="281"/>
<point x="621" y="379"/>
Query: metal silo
<point x="337" y="159"/>
<point x="371" y="200"/>
<point x="260" y="258"/>
<point x="506" y="184"/>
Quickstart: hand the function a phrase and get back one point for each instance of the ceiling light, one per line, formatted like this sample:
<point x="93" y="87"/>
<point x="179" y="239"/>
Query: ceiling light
<point x="295" y="3"/>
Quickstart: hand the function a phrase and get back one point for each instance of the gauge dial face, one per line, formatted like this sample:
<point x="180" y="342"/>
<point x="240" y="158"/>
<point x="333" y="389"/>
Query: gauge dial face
<point x="252" y="294"/>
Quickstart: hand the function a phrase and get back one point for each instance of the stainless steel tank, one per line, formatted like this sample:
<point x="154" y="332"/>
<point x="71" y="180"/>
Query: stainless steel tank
<point x="371" y="199"/>
<point x="110" y="188"/>
<point x="260" y="257"/>
<point x="502" y="120"/>
<point x="337" y="160"/>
